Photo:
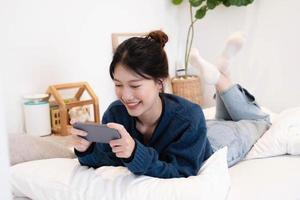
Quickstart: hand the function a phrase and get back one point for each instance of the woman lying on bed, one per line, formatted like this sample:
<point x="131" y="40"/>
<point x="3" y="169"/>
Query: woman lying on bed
<point x="163" y="135"/>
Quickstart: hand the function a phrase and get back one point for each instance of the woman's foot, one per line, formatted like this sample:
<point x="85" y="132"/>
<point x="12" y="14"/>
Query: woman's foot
<point x="233" y="45"/>
<point x="209" y="72"/>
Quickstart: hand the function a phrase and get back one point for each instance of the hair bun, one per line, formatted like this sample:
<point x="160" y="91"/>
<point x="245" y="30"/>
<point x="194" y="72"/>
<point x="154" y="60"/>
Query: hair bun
<point x="159" y="36"/>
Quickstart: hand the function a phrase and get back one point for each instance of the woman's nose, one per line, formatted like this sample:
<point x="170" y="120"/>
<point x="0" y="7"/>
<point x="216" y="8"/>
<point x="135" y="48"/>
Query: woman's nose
<point x="127" y="95"/>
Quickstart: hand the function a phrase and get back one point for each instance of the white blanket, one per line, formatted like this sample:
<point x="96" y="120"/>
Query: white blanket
<point x="282" y="138"/>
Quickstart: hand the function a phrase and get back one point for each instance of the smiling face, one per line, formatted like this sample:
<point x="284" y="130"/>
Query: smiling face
<point x="139" y="95"/>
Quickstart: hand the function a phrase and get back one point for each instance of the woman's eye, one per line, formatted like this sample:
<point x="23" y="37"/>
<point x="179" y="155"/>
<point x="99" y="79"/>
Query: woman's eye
<point x="135" y="86"/>
<point x="116" y="85"/>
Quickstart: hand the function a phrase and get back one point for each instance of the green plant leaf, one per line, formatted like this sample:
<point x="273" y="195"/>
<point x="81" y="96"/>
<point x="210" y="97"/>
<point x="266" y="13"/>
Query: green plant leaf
<point x="226" y="3"/>
<point x="211" y="4"/>
<point x="177" y="2"/>
<point x="236" y="2"/>
<point x="196" y="3"/>
<point x="246" y="2"/>
<point x="200" y="13"/>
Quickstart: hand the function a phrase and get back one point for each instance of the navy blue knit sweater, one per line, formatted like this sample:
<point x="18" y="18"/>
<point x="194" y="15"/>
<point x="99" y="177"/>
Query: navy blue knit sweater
<point x="177" y="148"/>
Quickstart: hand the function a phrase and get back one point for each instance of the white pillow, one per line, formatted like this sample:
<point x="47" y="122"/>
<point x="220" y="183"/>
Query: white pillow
<point x="63" y="178"/>
<point x="209" y="113"/>
<point x="24" y="147"/>
<point x="283" y="137"/>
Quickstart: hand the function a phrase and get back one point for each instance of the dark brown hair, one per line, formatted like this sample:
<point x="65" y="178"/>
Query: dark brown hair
<point x="143" y="55"/>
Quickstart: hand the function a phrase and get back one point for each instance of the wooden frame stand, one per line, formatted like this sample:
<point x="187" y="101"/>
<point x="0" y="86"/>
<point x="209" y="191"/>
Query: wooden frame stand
<point x="118" y="38"/>
<point x="60" y="107"/>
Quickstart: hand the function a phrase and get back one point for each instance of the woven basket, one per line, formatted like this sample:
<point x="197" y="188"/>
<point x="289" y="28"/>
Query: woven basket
<point x="188" y="87"/>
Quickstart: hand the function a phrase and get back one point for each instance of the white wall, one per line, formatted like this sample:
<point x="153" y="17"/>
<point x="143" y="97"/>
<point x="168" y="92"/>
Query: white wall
<point x="4" y="171"/>
<point x="57" y="41"/>
<point x="268" y="65"/>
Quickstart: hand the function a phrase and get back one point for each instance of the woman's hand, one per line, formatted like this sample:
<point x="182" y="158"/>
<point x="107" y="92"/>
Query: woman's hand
<point x="124" y="146"/>
<point x="80" y="144"/>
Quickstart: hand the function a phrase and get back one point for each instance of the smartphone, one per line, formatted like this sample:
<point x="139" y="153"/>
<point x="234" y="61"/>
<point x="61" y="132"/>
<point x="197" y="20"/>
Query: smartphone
<point x="97" y="132"/>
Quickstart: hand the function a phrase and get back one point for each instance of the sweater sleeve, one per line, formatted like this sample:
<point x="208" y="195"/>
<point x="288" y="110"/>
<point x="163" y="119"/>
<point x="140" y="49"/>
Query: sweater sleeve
<point x="182" y="158"/>
<point x="100" y="155"/>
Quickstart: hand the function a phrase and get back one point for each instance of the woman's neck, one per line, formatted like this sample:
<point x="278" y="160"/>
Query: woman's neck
<point x="151" y="117"/>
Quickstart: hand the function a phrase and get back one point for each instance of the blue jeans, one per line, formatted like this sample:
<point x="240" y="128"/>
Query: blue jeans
<point x="239" y="123"/>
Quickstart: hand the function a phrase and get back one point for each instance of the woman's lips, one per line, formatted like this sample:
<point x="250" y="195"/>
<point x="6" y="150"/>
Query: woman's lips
<point x="132" y="105"/>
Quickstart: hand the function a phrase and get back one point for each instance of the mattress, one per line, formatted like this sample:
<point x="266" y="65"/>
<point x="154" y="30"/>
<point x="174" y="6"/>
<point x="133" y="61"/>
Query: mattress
<point x="269" y="178"/>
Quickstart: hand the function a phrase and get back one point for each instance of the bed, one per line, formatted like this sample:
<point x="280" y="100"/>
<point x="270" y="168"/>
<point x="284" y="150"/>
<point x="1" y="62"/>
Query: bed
<point x="268" y="178"/>
<point x="269" y="171"/>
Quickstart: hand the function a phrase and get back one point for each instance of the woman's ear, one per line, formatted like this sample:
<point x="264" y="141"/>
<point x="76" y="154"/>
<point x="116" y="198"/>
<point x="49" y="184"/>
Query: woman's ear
<point x="160" y="83"/>
<point x="165" y="85"/>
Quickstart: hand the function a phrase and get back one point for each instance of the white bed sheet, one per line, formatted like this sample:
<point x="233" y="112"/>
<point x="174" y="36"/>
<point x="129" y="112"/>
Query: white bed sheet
<point x="273" y="178"/>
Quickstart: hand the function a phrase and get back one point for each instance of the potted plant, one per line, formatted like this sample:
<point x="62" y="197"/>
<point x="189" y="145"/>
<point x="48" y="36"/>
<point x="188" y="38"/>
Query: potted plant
<point x="190" y="86"/>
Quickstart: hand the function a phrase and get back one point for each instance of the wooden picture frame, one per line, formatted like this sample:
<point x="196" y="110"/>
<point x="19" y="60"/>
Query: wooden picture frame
<point x="118" y="38"/>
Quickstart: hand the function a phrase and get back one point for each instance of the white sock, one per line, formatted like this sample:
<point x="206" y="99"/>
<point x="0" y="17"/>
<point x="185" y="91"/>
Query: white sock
<point x="233" y="45"/>
<point x="209" y="71"/>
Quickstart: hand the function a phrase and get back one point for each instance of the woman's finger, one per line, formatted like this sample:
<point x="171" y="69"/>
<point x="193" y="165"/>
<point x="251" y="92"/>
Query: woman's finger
<point x="121" y="154"/>
<point x="119" y="127"/>
<point x="79" y="140"/>
<point x="81" y="144"/>
<point x="117" y="149"/>
<point x="84" y="142"/>
<point x="116" y="142"/>
<point x="75" y="131"/>
<point x="81" y="147"/>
